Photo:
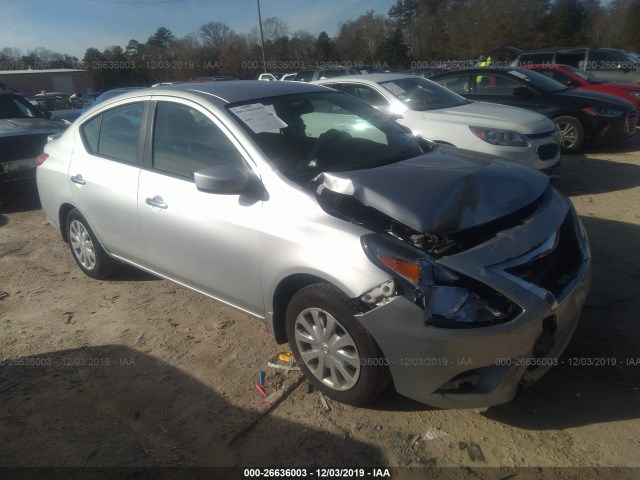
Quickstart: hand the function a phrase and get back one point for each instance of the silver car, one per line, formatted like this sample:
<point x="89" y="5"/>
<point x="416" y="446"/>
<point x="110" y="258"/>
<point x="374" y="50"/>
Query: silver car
<point x="379" y="256"/>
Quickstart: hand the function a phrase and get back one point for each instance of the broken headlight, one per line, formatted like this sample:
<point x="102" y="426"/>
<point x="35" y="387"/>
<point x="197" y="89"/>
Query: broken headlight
<point x="449" y="299"/>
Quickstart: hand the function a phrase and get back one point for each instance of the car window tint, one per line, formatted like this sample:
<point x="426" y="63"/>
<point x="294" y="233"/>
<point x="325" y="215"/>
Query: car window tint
<point x="561" y="77"/>
<point x="90" y="133"/>
<point x="14" y="107"/>
<point x="575" y="59"/>
<point x="332" y="73"/>
<point x="456" y="83"/>
<point x="495" y="84"/>
<point x="366" y="94"/>
<point x="304" y="76"/>
<point x="186" y="141"/>
<point x="120" y="131"/>
<point x="604" y="61"/>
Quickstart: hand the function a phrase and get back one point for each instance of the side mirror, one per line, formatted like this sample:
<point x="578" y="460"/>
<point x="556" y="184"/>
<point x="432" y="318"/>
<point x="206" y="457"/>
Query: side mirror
<point x="221" y="179"/>
<point x="522" y="92"/>
<point x="572" y="84"/>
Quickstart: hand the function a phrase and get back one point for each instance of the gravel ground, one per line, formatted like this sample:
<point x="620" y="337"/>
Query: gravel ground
<point x="136" y="371"/>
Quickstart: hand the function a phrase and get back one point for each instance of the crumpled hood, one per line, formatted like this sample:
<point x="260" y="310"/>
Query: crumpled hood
<point x="443" y="192"/>
<point x="24" y="126"/>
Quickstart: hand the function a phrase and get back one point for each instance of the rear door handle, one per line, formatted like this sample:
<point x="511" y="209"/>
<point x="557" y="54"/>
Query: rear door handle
<point x="78" y="179"/>
<point x="156" y="202"/>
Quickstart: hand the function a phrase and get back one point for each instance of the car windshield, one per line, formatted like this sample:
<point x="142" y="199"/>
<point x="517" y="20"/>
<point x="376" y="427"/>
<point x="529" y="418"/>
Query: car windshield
<point x="420" y="94"/>
<point x="16" y="107"/>
<point x="538" y="80"/>
<point x="586" y="76"/>
<point x="305" y="134"/>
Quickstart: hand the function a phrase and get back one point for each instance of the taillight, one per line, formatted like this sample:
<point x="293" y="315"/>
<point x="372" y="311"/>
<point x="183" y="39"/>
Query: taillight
<point x="41" y="158"/>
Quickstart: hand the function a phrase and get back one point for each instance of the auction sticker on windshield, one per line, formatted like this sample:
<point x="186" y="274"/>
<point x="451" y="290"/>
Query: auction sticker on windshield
<point x="258" y="117"/>
<point x="518" y="74"/>
<point x="395" y="89"/>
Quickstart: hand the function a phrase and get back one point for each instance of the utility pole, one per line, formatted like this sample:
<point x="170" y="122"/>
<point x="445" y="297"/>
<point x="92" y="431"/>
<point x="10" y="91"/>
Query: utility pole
<point x="264" y="61"/>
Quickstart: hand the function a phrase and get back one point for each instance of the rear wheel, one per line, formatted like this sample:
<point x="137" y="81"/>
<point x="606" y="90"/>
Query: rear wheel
<point x="85" y="248"/>
<point x="335" y="352"/>
<point x="571" y="133"/>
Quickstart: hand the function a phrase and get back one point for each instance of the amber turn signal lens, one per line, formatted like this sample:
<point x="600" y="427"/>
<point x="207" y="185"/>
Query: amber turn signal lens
<point x="410" y="271"/>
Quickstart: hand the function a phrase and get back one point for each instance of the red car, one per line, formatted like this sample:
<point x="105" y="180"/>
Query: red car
<point x="575" y="78"/>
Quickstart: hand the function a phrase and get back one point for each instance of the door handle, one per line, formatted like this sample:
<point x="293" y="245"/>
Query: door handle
<point x="78" y="179"/>
<point x="156" y="202"/>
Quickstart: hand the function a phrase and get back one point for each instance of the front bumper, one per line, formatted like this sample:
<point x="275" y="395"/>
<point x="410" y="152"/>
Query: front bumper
<point x="616" y="129"/>
<point x="543" y="153"/>
<point x="481" y="367"/>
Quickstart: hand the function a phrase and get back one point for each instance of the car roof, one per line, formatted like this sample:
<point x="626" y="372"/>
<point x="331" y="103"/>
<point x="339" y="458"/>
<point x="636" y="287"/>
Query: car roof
<point x="483" y="69"/>
<point x="238" y="91"/>
<point x="369" y="77"/>
<point x="570" y="49"/>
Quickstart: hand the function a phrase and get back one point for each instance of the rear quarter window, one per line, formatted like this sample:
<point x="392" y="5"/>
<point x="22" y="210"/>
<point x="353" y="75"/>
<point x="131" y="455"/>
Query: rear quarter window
<point x="114" y="133"/>
<point x="90" y="133"/>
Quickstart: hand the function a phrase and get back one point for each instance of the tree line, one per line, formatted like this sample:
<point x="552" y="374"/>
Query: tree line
<point x="410" y="33"/>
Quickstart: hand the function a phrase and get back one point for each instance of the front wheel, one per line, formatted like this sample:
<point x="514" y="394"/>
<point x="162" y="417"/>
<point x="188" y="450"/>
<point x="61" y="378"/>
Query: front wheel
<point x="571" y="133"/>
<point x="86" y="250"/>
<point x="335" y="352"/>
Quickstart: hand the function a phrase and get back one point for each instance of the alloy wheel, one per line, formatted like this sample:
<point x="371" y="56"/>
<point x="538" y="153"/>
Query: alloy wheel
<point x="568" y="135"/>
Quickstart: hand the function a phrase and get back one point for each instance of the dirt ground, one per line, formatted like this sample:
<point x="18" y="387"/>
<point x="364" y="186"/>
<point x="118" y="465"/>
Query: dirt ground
<point x="136" y="371"/>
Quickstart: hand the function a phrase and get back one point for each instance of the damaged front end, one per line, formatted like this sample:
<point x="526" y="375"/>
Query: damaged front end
<point x="402" y="246"/>
<point x="449" y="300"/>
<point x="483" y="296"/>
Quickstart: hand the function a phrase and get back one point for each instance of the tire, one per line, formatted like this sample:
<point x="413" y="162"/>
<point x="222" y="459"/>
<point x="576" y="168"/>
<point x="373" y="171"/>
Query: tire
<point x="85" y="248"/>
<point x="571" y="133"/>
<point x="348" y="366"/>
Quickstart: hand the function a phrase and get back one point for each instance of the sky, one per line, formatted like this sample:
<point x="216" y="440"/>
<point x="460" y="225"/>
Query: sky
<point x="72" y="26"/>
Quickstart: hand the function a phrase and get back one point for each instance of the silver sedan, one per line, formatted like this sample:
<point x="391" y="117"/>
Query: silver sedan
<point x="379" y="256"/>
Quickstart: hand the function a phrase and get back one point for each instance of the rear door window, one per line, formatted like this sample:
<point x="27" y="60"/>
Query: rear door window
<point x="495" y="84"/>
<point x="604" y="61"/>
<point x="115" y="133"/>
<point x="575" y="59"/>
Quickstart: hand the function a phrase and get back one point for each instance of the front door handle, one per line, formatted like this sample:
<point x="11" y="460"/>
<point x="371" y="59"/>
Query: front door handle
<point x="156" y="202"/>
<point x="78" y="179"/>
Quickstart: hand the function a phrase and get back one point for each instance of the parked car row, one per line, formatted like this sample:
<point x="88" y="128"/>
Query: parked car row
<point x="384" y="225"/>
<point x="378" y="255"/>
<point x="581" y="116"/>
<point x="584" y="109"/>
<point x="610" y="64"/>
